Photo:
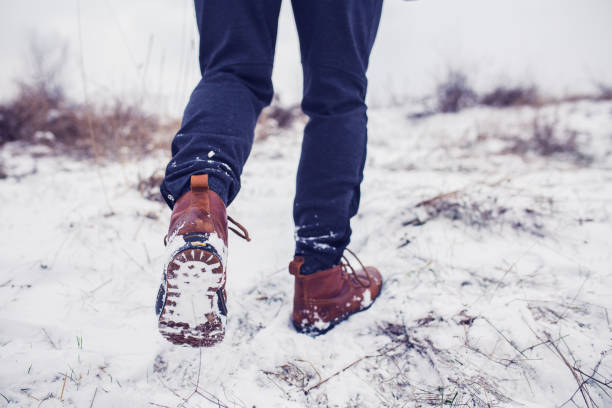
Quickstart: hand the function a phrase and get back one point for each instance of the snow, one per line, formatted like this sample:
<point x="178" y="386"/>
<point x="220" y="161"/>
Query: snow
<point x="367" y="299"/>
<point x="312" y="241"/>
<point x="318" y="324"/>
<point x="516" y="251"/>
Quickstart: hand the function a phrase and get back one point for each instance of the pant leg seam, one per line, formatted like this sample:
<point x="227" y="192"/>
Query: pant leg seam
<point x="360" y="77"/>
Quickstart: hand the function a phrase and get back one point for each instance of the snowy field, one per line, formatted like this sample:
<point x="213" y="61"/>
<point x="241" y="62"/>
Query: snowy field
<point x="491" y="228"/>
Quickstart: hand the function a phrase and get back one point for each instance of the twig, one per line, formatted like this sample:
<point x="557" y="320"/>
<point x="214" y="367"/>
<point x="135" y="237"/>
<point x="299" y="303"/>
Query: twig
<point x="555" y="349"/>
<point x="227" y="397"/>
<point x="217" y="402"/>
<point x="147" y="253"/>
<point x="469" y="346"/>
<point x="170" y="389"/>
<point x="436" y="198"/>
<point x="198" y="380"/>
<point x="142" y="220"/>
<point x="504" y="337"/>
<point x="312" y="365"/>
<point x="94" y="397"/>
<point x="506" y="272"/>
<point x="461" y="190"/>
<point x="530" y="348"/>
<point x="273" y="382"/>
<point x="208" y="398"/>
<point x="91" y="292"/>
<point x="585" y="381"/>
<point x="528" y="382"/>
<point x="63" y="386"/>
<point x="592" y="376"/>
<point x="40" y="401"/>
<point x="49" y="338"/>
<point x="378" y="394"/>
<point x="568" y="305"/>
<point x="131" y="258"/>
<point x="380" y="354"/>
<point x="194" y="392"/>
<point x="306" y="391"/>
<point x="586" y="390"/>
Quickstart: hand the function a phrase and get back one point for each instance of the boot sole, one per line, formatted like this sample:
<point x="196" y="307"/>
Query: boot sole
<point x="194" y="311"/>
<point x="315" y="332"/>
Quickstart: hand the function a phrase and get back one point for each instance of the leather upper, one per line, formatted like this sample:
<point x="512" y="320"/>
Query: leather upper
<point x="332" y="294"/>
<point x="200" y="210"/>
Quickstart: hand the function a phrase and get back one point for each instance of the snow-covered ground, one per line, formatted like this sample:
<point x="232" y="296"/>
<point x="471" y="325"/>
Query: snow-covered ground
<point x="495" y="249"/>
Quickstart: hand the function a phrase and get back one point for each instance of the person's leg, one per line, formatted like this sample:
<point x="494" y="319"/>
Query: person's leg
<point x="237" y="40"/>
<point x="336" y="38"/>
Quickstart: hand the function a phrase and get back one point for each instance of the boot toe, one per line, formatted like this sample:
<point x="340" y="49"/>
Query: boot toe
<point x="375" y="280"/>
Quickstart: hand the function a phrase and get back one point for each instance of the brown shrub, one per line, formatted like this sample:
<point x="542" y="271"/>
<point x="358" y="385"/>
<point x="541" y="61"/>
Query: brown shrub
<point x="455" y="93"/>
<point x="481" y="209"/>
<point x="276" y="117"/>
<point x="547" y="138"/>
<point x="503" y="97"/>
<point x="605" y="92"/>
<point x="148" y="187"/>
<point x="42" y="115"/>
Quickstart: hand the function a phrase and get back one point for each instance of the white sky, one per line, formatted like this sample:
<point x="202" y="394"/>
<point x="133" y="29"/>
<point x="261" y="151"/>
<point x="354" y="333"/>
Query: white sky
<point x="146" y="49"/>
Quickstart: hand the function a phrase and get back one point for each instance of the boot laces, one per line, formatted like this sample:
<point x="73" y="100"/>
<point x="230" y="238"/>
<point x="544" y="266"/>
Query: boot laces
<point x="346" y="266"/>
<point x="241" y="231"/>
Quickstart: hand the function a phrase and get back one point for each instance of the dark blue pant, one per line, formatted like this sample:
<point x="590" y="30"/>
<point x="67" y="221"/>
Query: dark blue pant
<point x="237" y="41"/>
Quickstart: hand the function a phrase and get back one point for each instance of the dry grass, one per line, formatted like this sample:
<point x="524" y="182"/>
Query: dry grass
<point x="546" y="137"/>
<point x="456" y="388"/>
<point x="277" y="117"/>
<point x="482" y="209"/>
<point x="508" y="96"/>
<point x="148" y="187"/>
<point x="40" y="114"/>
<point x="389" y="370"/>
<point x="455" y="93"/>
<point x="605" y="92"/>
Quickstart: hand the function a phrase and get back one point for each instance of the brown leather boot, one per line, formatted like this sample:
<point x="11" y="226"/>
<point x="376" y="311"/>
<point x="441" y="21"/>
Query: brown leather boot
<point x="325" y="298"/>
<point x="191" y="299"/>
